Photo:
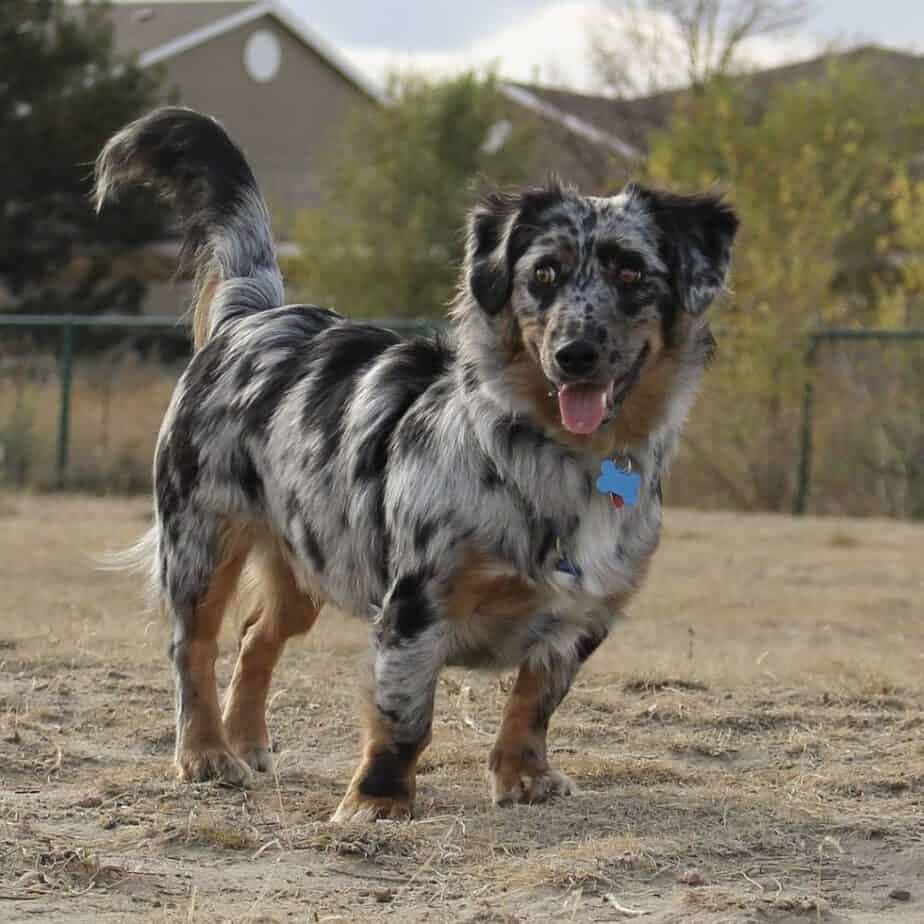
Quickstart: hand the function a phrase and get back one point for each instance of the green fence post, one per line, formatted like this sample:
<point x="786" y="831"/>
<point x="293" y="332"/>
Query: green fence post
<point x="805" y="439"/>
<point x="65" y="375"/>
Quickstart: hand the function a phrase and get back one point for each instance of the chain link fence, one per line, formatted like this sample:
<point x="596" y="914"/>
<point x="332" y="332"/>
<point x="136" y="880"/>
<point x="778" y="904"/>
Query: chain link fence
<point x="82" y="398"/>
<point x="81" y="401"/>
<point x="862" y="429"/>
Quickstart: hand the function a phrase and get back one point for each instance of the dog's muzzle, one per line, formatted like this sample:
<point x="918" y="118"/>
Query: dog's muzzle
<point x="584" y="406"/>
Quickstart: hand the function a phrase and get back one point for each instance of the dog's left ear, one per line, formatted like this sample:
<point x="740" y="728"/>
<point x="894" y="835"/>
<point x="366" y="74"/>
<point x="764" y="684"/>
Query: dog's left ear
<point x="696" y="234"/>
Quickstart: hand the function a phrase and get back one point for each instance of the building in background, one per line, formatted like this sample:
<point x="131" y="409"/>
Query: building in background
<point x="279" y="88"/>
<point x="283" y="91"/>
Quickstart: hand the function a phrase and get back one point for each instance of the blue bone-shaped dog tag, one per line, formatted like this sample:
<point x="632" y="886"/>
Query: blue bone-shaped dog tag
<point x="621" y="486"/>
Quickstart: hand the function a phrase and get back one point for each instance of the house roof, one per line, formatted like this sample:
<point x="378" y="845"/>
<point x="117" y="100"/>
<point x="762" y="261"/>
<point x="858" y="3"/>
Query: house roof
<point x="593" y="118"/>
<point x="625" y="125"/>
<point x="140" y="26"/>
<point x="616" y="124"/>
<point x="158" y="31"/>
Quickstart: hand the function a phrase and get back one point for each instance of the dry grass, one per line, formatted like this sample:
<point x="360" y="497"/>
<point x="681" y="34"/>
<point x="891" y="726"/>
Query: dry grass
<point x="749" y="746"/>
<point x="116" y="410"/>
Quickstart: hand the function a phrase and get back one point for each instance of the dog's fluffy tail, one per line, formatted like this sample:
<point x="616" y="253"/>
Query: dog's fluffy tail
<point x="191" y="161"/>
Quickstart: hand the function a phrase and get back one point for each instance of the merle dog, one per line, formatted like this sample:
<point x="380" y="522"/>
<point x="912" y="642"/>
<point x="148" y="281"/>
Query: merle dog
<point x="445" y="490"/>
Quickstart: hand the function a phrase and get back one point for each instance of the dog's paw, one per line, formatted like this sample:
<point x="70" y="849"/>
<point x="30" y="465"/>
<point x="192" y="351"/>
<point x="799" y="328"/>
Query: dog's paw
<point x="212" y="764"/>
<point x="530" y="788"/>
<point x="358" y="808"/>
<point x="257" y="756"/>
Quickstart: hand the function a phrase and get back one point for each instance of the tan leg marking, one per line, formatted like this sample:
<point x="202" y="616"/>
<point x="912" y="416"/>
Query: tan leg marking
<point x="202" y="751"/>
<point x="279" y="611"/>
<point x="385" y="782"/>
<point x="519" y="767"/>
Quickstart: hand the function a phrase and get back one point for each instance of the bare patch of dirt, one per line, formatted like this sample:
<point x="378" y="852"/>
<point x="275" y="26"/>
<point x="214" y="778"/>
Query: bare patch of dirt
<point x="749" y="746"/>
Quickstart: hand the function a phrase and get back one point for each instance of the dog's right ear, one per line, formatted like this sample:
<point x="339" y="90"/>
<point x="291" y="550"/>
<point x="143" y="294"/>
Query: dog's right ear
<point x="500" y="229"/>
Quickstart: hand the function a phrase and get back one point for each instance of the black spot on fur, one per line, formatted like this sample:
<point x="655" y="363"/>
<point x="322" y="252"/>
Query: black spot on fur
<point x="169" y="499"/>
<point x="414" y="434"/>
<point x="548" y="535"/>
<point x="408" y="611"/>
<point x="412" y="369"/>
<point x="588" y="484"/>
<point x="338" y="356"/>
<point x="244" y="371"/>
<point x="587" y="645"/>
<point x="313" y="547"/>
<point x="602" y="334"/>
<point x="274" y="384"/>
<point x="387" y="774"/>
<point x="490" y="477"/>
<point x="177" y="460"/>
<point x="244" y="472"/>
<point x="293" y="507"/>
<point x="423" y="533"/>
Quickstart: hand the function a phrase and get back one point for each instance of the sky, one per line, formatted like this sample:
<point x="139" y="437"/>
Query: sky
<point x="547" y="40"/>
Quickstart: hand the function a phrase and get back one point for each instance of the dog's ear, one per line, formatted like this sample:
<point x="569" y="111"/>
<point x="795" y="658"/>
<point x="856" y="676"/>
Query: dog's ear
<point x="489" y="274"/>
<point x="500" y="229"/>
<point x="696" y="236"/>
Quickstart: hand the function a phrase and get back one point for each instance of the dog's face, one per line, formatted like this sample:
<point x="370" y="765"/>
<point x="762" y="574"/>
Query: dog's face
<point x="596" y="285"/>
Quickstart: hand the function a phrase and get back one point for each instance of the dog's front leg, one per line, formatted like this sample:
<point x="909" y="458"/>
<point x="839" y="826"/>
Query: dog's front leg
<point x="518" y="764"/>
<point x="409" y="642"/>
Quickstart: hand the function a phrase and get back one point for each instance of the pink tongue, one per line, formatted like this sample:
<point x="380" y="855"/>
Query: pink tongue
<point x="582" y="407"/>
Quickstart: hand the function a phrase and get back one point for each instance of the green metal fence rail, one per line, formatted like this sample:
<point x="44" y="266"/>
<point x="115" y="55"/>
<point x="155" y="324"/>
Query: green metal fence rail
<point x="815" y="339"/>
<point x="70" y="324"/>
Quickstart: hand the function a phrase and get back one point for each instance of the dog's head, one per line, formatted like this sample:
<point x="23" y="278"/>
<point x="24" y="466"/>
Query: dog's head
<point x="597" y="288"/>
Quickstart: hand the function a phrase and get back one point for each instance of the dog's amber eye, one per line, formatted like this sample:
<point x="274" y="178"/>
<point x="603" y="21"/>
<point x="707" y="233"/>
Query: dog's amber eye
<point x="630" y="277"/>
<point x="546" y="275"/>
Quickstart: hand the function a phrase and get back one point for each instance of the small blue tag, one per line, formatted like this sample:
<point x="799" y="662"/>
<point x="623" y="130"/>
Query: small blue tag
<point x="617" y="483"/>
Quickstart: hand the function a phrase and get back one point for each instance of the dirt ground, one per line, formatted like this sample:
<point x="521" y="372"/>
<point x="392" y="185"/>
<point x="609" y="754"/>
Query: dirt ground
<point x="749" y="746"/>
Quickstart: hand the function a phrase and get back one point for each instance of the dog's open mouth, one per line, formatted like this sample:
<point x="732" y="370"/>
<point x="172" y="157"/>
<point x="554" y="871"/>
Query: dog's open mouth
<point x="584" y="407"/>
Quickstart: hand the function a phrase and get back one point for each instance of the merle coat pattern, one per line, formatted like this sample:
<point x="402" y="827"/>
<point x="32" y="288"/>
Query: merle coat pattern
<point x="442" y="489"/>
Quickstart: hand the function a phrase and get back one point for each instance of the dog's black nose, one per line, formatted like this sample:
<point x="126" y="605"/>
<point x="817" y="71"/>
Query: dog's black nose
<point x="577" y="357"/>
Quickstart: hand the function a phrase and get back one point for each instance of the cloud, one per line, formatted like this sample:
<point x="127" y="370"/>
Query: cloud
<point x="548" y="45"/>
<point x="551" y="45"/>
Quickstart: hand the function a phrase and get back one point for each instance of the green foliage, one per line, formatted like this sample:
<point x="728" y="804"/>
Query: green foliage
<point x="903" y="304"/>
<point x="387" y="239"/>
<point x="63" y="91"/>
<point x="809" y="169"/>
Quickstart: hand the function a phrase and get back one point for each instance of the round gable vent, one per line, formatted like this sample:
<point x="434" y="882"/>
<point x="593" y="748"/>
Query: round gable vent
<point x="262" y="56"/>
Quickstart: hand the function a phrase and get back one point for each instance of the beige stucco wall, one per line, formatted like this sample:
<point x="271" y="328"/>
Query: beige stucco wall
<point x="286" y="125"/>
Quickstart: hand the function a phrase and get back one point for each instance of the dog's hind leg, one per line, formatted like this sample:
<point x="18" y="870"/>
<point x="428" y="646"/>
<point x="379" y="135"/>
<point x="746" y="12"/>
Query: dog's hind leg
<point x="200" y="579"/>
<point x="279" y="610"/>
